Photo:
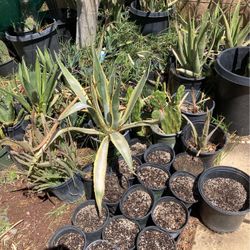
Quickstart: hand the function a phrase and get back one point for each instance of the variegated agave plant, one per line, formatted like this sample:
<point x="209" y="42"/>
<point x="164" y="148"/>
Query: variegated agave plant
<point x="103" y="104"/>
<point x="156" y="5"/>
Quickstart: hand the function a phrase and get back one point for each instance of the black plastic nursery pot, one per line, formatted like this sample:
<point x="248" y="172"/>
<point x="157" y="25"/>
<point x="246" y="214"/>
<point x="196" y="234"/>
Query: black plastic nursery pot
<point x="140" y="140"/>
<point x="233" y="89"/>
<point x="102" y="244"/>
<point x="173" y="233"/>
<point x="176" y="195"/>
<point x="116" y="241"/>
<point x="150" y="22"/>
<point x="95" y="235"/>
<point x="8" y="68"/>
<point x="70" y="190"/>
<point x="141" y="220"/>
<point x="219" y="138"/>
<point x="156" y="191"/>
<point x="170" y="139"/>
<point x="156" y="243"/>
<point x="5" y="159"/>
<point x="26" y="45"/>
<point x="62" y="232"/>
<point x="215" y="218"/>
<point x="160" y="147"/>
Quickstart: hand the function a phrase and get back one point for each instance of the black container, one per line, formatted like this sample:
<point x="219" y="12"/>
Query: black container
<point x="161" y="147"/>
<point x="8" y="68"/>
<point x="157" y="192"/>
<point x="142" y="221"/>
<point x="218" y="138"/>
<point x="182" y="173"/>
<point x="150" y="22"/>
<point x="100" y="241"/>
<point x="173" y="233"/>
<point x="88" y="182"/>
<point x="216" y="218"/>
<point x="139" y="140"/>
<point x="153" y="228"/>
<point x="118" y="217"/>
<point x="90" y="236"/>
<point x="26" y="45"/>
<point x="232" y="89"/>
<point x="69" y="191"/>
<point x="62" y="231"/>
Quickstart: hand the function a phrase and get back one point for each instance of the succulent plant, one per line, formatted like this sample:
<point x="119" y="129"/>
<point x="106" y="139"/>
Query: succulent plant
<point x="4" y="53"/>
<point x="156" y="5"/>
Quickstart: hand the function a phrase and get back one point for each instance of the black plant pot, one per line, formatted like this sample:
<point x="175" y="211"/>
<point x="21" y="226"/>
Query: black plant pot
<point x="156" y="191"/>
<point x="175" y="80"/>
<point x="219" y="138"/>
<point x="150" y="22"/>
<point x="88" y="182"/>
<point x="216" y="218"/>
<point x="52" y="244"/>
<point x="154" y="228"/>
<point x="8" y="68"/>
<point x="143" y="220"/>
<point x="233" y="89"/>
<point x="173" y="233"/>
<point x="26" y="45"/>
<point x="5" y="159"/>
<point x="90" y="236"/>
<point x="96" y="243"/>
<point x="161" y="147"/>
<point x="142" y="140"/>
<point x="195" y="191"/>
<point x="69" y="191"/>
<point x="200" y="116"/>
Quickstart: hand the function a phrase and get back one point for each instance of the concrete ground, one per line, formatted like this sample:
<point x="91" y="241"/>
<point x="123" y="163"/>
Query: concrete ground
<point x="206" y="239"/>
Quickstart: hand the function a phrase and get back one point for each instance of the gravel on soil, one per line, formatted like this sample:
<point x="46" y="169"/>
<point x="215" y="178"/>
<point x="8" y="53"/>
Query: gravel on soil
<point x="72" y="241"/>
<point x="161" y="157"/>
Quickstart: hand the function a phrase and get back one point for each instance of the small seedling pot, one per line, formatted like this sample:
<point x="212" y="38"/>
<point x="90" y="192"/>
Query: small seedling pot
<point x="142" y="220"/>
<point x="91" y="236"/>
<point x="182" y="173"/>
<point x="218" y="138"/>
<point x="96" y="242"/>
<point x="69" y="191"/>
<point x="173" y="233"/>
<point x="63" y="231"/>
<point x="153" y="228"/>
<point x="8" y="68"/>
<point x="157" y="192"/>
<point x="160" y="147"/>
<point x="215" y="218"/>
<point x="115" y="218"/>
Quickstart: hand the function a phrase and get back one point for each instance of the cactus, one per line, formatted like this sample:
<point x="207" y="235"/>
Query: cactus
<point x="4" y="53"/>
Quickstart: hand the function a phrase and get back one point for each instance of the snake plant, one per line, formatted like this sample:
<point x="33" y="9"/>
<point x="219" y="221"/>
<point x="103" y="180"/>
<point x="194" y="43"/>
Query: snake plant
<point x="102" y="102"/>
<point x="156" y="5"/>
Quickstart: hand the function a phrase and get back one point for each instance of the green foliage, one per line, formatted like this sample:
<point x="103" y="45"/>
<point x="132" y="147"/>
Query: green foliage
<point x="7" y="111"/>
<point x="156" y="5"/>
<point x="4" y="53"/>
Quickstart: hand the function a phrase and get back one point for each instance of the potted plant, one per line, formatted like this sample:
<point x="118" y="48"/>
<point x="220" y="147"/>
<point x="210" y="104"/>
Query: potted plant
<point x="167" y="110"/>
<point x="225" y="198"/>
<point x="30" y="34"/>
<point x="8" y="65"/>
<point x="101" y="244"/>
<point x="204" y="139"/>
<point x="152" y="16"/>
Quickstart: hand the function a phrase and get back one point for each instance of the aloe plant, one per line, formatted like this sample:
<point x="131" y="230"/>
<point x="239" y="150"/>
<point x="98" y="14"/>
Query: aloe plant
<point x="168" y="112"/>
<point x="191" y="52"/>
<point x="103" y="104"/>
<point x="235" y="34"/>
<point x="156" y="5"/>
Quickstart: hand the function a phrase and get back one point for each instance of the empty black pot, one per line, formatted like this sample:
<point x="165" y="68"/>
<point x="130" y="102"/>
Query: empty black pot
<point x="214" y="217"/>
<point x="8" y="68"/>
<point x="233" y="88"/>
<point x="150" y="22"/>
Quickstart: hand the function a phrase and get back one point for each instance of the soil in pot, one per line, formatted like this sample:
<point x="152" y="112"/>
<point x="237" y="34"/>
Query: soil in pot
<point x="155" y="240"/>
<point x="159" y="157"/>
<point x="72" y="241"/>
<point x="137" y="204"/>
<point x="89" y="220"/>
<point x="153" y="178"/>
<point x="188" y="163"/>
<point x="125" y="170"/>
<point x="101" y="245"/>
<point x="169" y="215"/>
<point x="225" y="193"/>
<point x="114" y="188"/>
<point x="138" y="148"/>
<point x="183" y="187"/>
<point x="121" y="232"/>
<point x="210" y="147"/>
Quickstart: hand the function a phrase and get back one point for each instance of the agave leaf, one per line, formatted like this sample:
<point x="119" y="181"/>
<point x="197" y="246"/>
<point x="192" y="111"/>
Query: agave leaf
<point x="115" y="102"/>
<point x="229" y="40"/>
<point x="100" y="168"/>
<point x="139" y="124"/>
<point x="194" y="131"/>
<point x="75" y="108"/>
<point x="235" y="20"/>
<point x="243" y="35"/>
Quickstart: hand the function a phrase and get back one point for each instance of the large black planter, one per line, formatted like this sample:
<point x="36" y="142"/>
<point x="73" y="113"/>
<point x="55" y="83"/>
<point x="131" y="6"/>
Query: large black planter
<point x="8" y="68"/>
<point x="232" y="89"/>
<point x="26" y="44"/>
<point x="150" y="22"/>
<point x="219" y="138"/>
<point x="216" y="218"/>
